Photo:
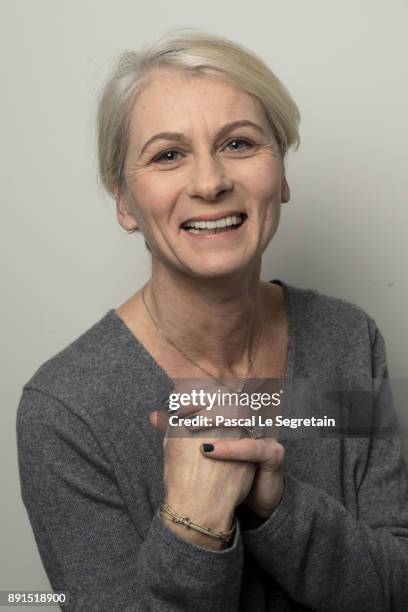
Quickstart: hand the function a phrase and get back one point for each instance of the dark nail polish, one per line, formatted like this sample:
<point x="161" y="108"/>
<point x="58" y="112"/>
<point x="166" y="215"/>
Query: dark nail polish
<point x="207" y="448"/>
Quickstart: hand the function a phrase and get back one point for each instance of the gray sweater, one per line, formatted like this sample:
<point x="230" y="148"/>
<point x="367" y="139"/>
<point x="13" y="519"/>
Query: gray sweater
<point x="91" y="469"/>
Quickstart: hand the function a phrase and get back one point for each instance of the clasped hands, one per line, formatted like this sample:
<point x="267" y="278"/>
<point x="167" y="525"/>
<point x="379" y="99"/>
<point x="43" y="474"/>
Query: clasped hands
<point x="211" y="472"/>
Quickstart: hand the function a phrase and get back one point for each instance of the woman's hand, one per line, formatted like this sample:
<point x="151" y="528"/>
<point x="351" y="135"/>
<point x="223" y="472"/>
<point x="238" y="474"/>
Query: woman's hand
<point x="206" y="491"/>
<point x="268" y="455"/>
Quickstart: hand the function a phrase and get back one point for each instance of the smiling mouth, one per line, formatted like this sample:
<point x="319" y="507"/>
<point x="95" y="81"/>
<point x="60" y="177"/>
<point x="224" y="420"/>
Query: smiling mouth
<point x="226" y="224"/>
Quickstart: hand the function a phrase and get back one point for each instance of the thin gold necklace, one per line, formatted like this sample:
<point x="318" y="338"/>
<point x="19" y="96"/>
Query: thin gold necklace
<point x="250" y="358"/>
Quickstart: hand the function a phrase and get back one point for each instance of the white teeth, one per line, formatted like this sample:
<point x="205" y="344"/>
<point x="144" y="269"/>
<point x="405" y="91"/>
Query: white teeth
<point x="226" y="221"/>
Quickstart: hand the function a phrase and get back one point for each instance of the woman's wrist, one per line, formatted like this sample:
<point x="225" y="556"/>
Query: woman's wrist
<point x="208" y="514"/>
<point x="206" y="518"/>
<point x="195" y="537"/>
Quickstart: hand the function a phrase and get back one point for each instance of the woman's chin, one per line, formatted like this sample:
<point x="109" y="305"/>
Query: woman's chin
<point x="213" y="268"/>
<point x="211" y="263"/>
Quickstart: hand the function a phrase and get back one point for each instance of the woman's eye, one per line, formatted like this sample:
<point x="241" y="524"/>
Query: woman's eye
<point x="239" y="144"/>
<point x="235" y="144"/>
<point x="167" y="156"/>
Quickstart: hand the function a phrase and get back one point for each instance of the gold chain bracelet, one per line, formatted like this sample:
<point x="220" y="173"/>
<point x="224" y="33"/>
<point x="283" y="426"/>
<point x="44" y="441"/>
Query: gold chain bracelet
<point x="184" y="520"/>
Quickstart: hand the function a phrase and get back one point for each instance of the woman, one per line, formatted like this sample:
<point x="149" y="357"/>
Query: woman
<point x="192" y="135"/>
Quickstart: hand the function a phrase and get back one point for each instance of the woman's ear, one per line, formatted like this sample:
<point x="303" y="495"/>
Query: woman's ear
<point x="285" y="191"/>
<point x="123" y="214"/>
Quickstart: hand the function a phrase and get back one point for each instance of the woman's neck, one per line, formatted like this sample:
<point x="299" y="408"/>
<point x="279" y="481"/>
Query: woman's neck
<point x="211" y="321"/>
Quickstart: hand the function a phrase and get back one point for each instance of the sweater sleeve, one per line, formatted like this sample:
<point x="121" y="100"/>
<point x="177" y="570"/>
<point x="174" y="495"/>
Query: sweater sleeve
<point x="89" y="545"/>
<point x="324" y="557"/>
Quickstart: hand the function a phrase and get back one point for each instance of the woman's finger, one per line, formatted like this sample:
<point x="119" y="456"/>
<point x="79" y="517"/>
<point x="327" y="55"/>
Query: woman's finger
<point x="159" y="420"/>
<point x="268" y="453"/>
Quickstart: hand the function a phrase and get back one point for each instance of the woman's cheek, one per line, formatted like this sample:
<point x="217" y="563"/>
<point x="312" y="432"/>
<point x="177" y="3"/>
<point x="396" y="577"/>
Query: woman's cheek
<point x="149" y="198"/>
<point x="265" y="179"/>
<point x="272" y="222"/>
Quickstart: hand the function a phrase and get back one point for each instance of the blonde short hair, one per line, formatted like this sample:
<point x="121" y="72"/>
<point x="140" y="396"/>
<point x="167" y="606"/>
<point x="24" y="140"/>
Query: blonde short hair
<point x="193" y="52"/>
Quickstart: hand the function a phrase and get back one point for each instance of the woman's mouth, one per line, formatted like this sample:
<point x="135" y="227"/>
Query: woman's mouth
<point x="225" y="224"/>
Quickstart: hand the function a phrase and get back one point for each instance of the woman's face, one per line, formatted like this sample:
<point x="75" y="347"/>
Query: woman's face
<point x="200" y="149"/>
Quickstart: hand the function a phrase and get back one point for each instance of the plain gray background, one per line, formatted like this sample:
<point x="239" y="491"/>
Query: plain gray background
<point x="66" y="259"/>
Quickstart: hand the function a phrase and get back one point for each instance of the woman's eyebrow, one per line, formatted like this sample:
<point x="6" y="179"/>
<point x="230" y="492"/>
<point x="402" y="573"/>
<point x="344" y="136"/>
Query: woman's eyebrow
<point x="177" y="136"/>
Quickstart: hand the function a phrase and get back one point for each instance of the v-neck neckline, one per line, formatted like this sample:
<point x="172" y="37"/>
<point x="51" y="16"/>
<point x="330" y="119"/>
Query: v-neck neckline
<point x="135" y="343"/>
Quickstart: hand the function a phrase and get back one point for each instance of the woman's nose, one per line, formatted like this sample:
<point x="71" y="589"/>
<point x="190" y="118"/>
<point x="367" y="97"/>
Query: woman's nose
<point x="208" y="178"/>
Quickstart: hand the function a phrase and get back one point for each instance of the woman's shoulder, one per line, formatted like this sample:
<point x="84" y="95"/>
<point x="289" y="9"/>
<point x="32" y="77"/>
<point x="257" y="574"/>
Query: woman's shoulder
<point x="314" y="307"/>
<point x="83" y="355"/>
<point x="97" y="369"/>
<point x="332" y="333"/>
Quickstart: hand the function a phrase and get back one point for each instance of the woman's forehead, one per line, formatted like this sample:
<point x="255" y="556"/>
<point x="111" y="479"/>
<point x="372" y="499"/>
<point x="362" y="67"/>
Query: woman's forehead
<point x="176" y="102"/>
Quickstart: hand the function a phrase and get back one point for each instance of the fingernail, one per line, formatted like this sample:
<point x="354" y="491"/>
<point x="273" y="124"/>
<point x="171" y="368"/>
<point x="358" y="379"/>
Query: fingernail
<point x="207" y="448"/>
